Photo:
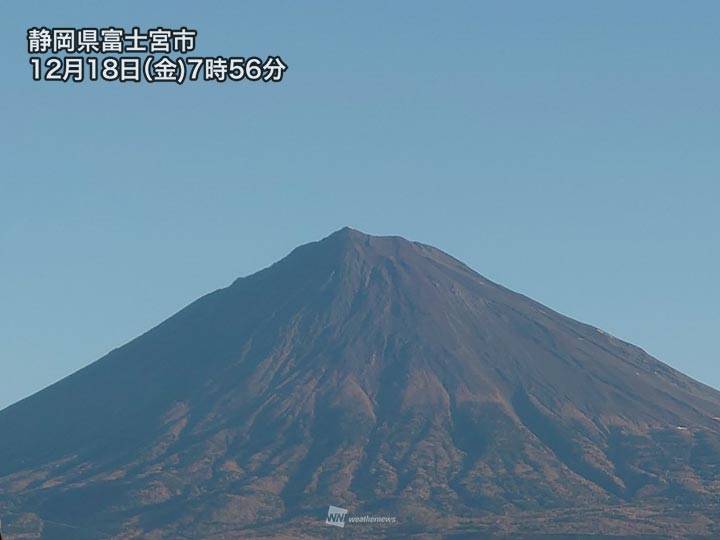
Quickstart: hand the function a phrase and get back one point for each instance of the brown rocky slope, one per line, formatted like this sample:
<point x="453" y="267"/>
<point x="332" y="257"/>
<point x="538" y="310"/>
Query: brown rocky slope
<point x="375" y="374"/>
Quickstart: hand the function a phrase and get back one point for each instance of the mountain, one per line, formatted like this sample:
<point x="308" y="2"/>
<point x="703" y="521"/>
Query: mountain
<point x="378" y="375"/>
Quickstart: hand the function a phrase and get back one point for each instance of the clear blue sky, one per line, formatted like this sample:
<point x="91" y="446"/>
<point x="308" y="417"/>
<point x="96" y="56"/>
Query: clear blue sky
<point x="568" y="150"/>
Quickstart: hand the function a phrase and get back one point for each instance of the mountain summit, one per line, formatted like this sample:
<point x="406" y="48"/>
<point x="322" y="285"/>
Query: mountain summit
<point x="378" y="375"/>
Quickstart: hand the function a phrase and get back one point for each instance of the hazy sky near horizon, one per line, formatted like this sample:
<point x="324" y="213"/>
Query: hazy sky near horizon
<point x="568" y="150"/>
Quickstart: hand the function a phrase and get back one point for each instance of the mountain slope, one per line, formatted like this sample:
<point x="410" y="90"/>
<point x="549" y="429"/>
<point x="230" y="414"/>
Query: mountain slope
<point x="375" y="374"/>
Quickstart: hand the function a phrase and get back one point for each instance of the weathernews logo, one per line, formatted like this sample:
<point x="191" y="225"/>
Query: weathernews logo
<point x="338" y="517"/>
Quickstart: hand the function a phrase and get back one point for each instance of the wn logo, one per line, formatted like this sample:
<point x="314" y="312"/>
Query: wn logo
<point x="336" y="516"/>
